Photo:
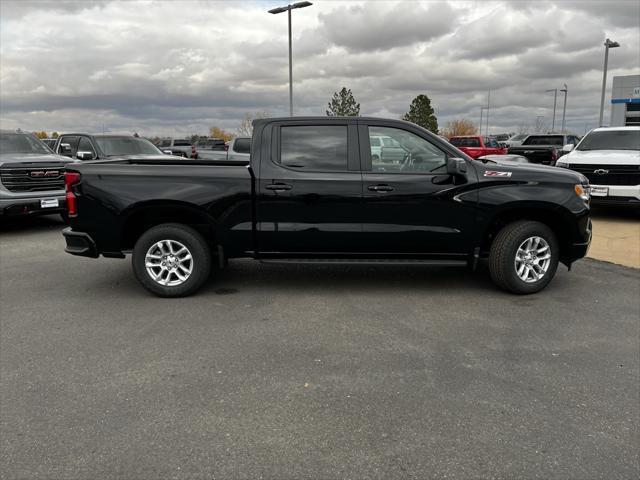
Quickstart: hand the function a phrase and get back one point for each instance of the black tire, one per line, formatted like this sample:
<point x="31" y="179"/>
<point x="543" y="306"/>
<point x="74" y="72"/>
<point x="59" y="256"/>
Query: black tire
<point x="502" y="256"/>
<point x="196" y="246"/>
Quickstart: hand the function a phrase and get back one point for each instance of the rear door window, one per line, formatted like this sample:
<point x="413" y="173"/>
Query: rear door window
<point x="314" y="147"/>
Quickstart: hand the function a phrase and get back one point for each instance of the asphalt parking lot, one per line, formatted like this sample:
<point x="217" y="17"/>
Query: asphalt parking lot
<point x="307" y="372"/>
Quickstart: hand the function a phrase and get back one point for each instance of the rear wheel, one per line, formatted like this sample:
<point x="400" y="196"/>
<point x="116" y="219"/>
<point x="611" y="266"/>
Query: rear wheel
<point x="171" y="260"/>
<point x="524" y="257"/>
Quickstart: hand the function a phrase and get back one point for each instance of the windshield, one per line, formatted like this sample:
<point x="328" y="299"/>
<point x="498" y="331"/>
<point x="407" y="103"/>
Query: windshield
<point x="112" y="146"/>
<point x="555" y="140"/>
<point x="519" y="137"/>
<point x="611" y="140"/>
<point x="21" y="143"/>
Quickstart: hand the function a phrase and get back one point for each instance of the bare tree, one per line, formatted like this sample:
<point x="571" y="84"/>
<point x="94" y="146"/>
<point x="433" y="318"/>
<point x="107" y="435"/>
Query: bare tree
<point x="524" y="127"/>
<point x="541" y="125"/>
<point x="246" y="128"/>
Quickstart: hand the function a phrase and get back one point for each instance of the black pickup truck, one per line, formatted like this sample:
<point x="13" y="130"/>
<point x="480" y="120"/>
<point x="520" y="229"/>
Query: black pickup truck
<point x="312" y="192"/>
<point x="545" y="149"/>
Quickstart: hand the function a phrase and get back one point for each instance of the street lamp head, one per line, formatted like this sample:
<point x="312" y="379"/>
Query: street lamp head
<point x="290" y="7"/>
<point x="611" y="44"/>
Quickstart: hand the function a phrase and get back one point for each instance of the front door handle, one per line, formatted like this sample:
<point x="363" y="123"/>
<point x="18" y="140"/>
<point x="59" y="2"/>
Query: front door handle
<point x="278" y="187"/>
<point x="380" y="188"/>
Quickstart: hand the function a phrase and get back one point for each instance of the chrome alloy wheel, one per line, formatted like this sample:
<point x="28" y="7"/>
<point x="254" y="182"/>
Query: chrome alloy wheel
<point x="532" y="259"/>
<point x="169" y="263"/>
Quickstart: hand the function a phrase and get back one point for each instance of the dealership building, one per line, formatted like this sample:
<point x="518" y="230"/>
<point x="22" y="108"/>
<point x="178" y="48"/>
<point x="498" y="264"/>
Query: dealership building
<point x="625" y="101"/>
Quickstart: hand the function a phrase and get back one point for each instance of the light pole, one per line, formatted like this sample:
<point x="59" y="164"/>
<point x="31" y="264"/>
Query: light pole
<point x="564" y="90"/>
<point x="607" y="45"/>
<point x="555" y="98"/>
<point x="488" y="103"/>
<point x="482" y="109"/>
<point x="288" y="9"/>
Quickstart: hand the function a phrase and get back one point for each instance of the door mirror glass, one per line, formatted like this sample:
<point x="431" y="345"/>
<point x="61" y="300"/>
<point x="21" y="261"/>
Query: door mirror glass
<point x="84" y="155"/>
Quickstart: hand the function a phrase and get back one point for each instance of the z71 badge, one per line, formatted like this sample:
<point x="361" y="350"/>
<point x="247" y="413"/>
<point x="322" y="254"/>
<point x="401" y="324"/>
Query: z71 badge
<point x="495" y="173"/>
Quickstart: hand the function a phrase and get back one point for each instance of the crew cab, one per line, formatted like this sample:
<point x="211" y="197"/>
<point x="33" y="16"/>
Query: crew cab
<point x="31" y="176"/>
<point x="478" y="146"/>
<point x="610" y="159"/>
<point x="544" y="149"/>
<point x="83" y="146"/>
<point x="313" y="193"/>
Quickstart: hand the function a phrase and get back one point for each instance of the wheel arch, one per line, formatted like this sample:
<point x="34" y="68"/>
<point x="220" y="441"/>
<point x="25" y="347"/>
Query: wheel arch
<point x="559" y="219"/>
<point x="143" y="216"/>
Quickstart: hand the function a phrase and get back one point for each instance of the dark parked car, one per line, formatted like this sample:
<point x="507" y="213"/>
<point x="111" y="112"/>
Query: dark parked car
<point x="313" y="193"/>
<point x="544" y="149"/>
<point x="31" y="176"/>
<point x="83" y="146"/>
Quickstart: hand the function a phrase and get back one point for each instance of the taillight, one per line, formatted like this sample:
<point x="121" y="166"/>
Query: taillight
<point x="71" y="179"/>
<point x="554" y="155"/>
<point x="194" y="152"/>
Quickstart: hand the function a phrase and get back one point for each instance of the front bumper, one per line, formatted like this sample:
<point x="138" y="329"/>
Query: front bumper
<point x="580" y="249"/>
<point x="80" y="243"/>
<point x="16" y="206"/>
<point x="618" y="194"/>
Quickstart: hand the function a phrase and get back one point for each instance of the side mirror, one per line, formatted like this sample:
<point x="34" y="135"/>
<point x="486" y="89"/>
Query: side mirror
<point x="85" y="155"/>
<point x="567" y="148"/>
<point x="168" y="152"/>
<point x="456" y="166"/>
<point x="65" y="149"/>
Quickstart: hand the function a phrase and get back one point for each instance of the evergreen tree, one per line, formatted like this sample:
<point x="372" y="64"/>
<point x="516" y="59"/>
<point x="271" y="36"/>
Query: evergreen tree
<point x="421" y="113"/>
<point x="343" y="104"/>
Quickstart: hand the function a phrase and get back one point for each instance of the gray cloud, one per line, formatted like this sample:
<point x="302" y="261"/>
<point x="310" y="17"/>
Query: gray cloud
<point x="123" y="66"/>
<point x="382" y="26"/>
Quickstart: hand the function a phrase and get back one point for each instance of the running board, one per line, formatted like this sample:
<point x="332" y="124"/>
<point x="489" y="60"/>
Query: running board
<point x="365" y="261"/>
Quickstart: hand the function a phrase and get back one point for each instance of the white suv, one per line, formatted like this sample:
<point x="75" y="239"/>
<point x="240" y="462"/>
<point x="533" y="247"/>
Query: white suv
<point x="610" y="159"/>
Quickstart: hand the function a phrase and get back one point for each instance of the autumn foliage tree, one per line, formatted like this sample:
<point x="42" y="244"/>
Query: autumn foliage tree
<point x="462" y="126"/>
<point x="42" y="134"/>
<point x="216" y="132"/>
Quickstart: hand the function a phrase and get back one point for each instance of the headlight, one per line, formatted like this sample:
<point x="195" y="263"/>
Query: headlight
<point x="583" y="191"/>
<point x="562" y="164"/>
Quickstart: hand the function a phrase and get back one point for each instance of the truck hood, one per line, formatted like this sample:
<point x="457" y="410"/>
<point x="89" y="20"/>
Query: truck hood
<point x="533" y="172"/>
<point x="6" y="158"/>
<point x="614" y="157"/>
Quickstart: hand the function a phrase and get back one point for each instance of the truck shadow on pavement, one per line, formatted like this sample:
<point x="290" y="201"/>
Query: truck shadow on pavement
<point x="31" y="224"/>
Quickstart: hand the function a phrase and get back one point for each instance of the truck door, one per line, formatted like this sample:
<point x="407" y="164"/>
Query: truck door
<point x="413" y="207"/>
<point x="309" y="188"/>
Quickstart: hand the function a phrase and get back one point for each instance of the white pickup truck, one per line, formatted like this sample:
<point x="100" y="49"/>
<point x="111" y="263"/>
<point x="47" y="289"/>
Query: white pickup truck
<point x="238" y="150"/>
<point x="610" y="159"/>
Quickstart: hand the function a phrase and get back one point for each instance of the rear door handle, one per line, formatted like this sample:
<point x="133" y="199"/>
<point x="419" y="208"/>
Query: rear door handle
<point x="278" y="187"/>
<point x="380" y="188"/>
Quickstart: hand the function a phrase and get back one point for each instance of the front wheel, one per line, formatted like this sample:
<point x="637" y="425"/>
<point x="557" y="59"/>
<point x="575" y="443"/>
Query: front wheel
<point x="524" y="257"/>
<point x="171" y="260"/>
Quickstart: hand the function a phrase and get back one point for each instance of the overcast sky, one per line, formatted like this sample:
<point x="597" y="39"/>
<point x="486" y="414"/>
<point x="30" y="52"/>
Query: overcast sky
<point x="178" y="67"/>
